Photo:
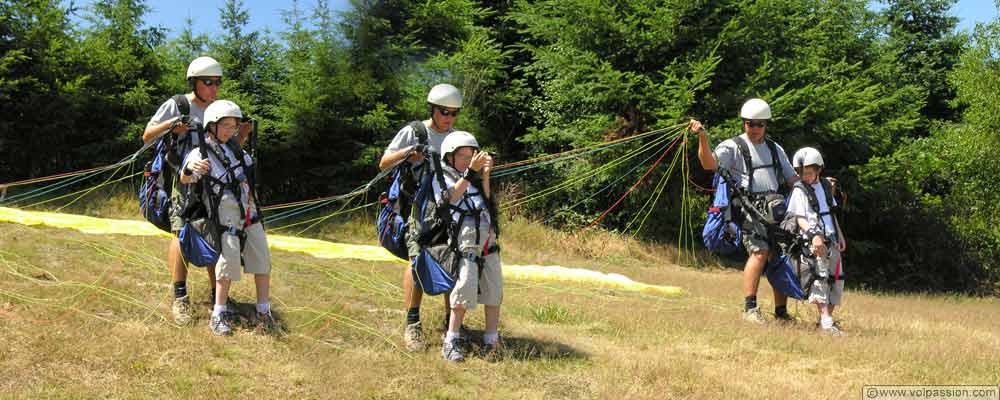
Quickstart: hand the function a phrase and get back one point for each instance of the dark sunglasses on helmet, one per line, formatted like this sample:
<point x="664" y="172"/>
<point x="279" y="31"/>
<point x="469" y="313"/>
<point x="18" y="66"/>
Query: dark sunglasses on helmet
<point x="448" y="113"/>
<point x="756" y="124"/>
<point x="211" y="82"/>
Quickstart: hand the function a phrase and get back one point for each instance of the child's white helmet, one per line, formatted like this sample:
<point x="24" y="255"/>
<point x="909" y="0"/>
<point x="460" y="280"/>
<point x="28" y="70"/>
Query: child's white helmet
<point x="755" y="109"/>
<point x="445" y="95"/>
<point x="807" y="156"/>
<point x="456" y="140"/>
<point x="204" y="66"/>
<point x="220" y="109"/>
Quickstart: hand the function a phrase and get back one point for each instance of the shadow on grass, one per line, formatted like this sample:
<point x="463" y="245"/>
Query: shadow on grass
<point x="527" y="349"/>
<point x="244" y="316"/>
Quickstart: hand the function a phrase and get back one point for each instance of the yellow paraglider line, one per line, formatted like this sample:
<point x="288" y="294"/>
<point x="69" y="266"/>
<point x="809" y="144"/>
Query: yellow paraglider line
<point x="329" y="250"/>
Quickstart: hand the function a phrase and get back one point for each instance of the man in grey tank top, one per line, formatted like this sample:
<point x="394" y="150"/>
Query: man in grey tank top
<point x="762" y="179"/>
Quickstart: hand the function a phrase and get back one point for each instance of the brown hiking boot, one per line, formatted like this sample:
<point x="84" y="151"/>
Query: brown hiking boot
<point x="413" y="337"/>
<point x="754" y="315"/>
<point x="182" y="310"/>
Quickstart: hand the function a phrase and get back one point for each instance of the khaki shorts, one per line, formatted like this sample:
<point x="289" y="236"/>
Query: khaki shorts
<point x="822" y="291"/>
<point x="256" y="256"/>
<point x="475" y="284"/>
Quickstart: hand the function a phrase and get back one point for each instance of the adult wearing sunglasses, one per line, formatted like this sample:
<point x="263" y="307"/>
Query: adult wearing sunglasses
<point x="764" y="178"/>
<point x="444" y="101"/>
<point x="185" y="112"/>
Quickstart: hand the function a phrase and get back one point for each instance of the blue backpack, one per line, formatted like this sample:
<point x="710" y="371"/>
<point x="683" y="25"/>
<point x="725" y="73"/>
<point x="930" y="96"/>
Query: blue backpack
<point x="397" y="203"/>
<point x="435" y="268"/>
<point x="156" y="188"/>
<point x="781" y="273"/>
<point x="154" y="194"/>
<point x="721" y="233"/>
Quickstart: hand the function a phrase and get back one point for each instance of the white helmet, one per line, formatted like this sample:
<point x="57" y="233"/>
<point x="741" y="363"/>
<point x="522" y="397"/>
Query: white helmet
<point x="445" y="95"/>
<point x="220" y="109"/>
<point x="755" y="109"/>
<point x="456" y="140"/>
<point x="807" y="156"/>
<point x="204" y="66"/>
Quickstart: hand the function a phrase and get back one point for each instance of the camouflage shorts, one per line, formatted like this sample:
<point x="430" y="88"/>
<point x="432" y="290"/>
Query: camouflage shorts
<point x="754" y="237"/>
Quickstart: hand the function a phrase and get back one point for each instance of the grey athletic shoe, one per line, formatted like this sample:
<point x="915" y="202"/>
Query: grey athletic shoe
<point x="182" y="310"/>
<point x="265" y="324"/>
<point x="453" y="350"/>
<point x="492" y="352"/>
<point x="413" y="337"/>
<point x="220" y="325"/>
<point x="833" y="331"/>
<point x="754" y="315"/>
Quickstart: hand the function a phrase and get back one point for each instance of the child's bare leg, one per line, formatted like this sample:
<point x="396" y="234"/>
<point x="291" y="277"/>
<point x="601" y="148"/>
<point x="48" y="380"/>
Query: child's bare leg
<point x="221" y="293"/>
<point x="825" y="320"/>
<point x="263" y="284"/>
<point x="492" y="324"/>
<point x="455" y="322"/>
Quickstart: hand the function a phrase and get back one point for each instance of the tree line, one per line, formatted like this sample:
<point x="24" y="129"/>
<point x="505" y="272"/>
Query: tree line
<point x="902" y="104"/>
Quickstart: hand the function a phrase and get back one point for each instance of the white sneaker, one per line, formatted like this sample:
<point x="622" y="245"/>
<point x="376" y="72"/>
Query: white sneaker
<point x="220" y="326"/>
<point x="833" y="331"/>
<point x="453" y="350"/>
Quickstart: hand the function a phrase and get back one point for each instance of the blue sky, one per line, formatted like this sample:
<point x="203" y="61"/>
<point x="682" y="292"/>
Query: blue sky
<point x="266" y="14"/>
<point x="972" y="11"/>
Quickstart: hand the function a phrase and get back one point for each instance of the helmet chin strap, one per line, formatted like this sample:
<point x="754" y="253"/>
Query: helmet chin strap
<point x="434" y="124"/>
<point x="194" y="89"/>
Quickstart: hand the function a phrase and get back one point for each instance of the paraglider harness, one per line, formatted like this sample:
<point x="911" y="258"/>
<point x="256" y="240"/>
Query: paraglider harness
<point x="768" y="211"/>
<point x="732" y="204"/>
<point x="436" y="268"/>
<point x="201" y="237"/>
<point x="393" y="222"/>
<point x="815" y="271"/>
<point x="155" y="192"/>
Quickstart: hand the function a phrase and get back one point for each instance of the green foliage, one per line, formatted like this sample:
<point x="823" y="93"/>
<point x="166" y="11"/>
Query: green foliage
<point x="922" y="40"/>
<point x="940" y="190"/>
<point x="88" y="95"/>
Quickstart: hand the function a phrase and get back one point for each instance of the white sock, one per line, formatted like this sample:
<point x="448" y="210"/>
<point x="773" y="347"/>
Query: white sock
<point x="826" y="321"/>
<point x="450" y="336"/>
<point x="218" y="310"/>
<point x="491" y="338"/>
<point x="264" y="308"/>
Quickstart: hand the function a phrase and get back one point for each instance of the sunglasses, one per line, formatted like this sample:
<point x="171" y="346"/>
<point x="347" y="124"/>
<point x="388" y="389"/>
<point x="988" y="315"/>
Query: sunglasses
<point x="211" y="82"/>
<point x="448" y="113"/>
<point x="757" y="124"/>
<point x="230" y="128"/>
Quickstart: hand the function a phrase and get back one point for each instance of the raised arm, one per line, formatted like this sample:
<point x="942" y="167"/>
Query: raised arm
<point x="390" y="159"/>
<point x="153" y="132"/>
<point x="705" y="155"/>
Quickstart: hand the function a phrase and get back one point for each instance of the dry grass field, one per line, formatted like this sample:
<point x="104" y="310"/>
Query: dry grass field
<point x="87" y="316"/>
